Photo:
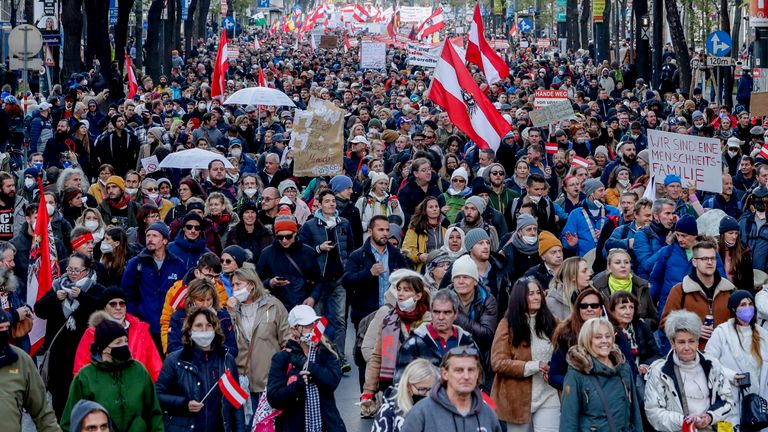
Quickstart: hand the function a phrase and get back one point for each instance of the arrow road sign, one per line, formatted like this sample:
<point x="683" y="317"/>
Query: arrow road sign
<point x="719" y="44"/>
<point x="525" y="25"/>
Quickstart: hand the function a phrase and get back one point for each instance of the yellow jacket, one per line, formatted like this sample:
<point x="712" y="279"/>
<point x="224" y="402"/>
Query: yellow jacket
<point x="415" y="244"/>
<point x="95" y="190"/>
<point x="168" y="310"/>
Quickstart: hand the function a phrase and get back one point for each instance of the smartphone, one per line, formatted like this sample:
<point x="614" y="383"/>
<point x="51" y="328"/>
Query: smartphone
<point x="744" y="381"/>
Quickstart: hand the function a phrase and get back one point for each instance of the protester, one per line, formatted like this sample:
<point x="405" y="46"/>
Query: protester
<point x="573" y="277"/>
<point x="426" y="232"/>
<point x="619" y="278"/>
<point x="418" y="379"/>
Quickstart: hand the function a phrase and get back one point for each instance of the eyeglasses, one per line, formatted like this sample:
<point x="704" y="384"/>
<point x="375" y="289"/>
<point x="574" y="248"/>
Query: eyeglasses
<point x="281" y="237"/>
<point x="211" y="275"/>
<point x="75" y="271"/>
<point x="152" y="189"/>
<point x="458" y="180"/>
<point x="115" y="304"/>
<point x="497" y="173"/>
<point x="585" y="306"/>
<point x="192" y="227"/>
<point x="706" y="259"/>
<point x="422" y="390"/>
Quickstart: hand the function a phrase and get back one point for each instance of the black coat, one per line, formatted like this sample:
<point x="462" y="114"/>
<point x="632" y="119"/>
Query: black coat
<point x="274" y="262"/>
<point x="255" y="242"/>
<point x="348" y="211"/>
<point x="541" y="274"/>
<point x="286" y="390"/>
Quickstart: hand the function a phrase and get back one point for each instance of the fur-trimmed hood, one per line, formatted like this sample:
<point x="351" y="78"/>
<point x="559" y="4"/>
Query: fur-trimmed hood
<point x="579" y="359"/>
<point x="98" y="317"/>
<point x="8" y="281"/>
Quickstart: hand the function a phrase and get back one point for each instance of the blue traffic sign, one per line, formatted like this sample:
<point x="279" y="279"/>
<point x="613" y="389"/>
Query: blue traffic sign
<point x="228" y="23"/>
<point x="719" y="44"/>
<point x="525" y="25"/>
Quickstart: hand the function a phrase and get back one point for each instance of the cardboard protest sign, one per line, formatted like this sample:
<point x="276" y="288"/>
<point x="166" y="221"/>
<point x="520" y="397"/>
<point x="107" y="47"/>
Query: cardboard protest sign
<point x="150" y="164"/>
<point x="696" y="160"/>
<point x="373" y="55"/>
<point x="423" y="55"/>
<point x="318" y="140"/>
<point x="560" y="110"/>
<point x="328" y="42"/>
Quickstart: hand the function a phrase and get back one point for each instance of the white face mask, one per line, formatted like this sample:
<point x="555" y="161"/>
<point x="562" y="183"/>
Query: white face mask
<point x="153" y="196"/>
<point x="407" y="305"/>
<point x="760" y="215"/>
<point x="91" y="225"/>
<point x="29" y="183"/>
<point x="50" y="208"/>
<point x="241" y="295"/>
<point x="534" y="198"/>
<point x="250" y="192"/>
<point x="236" y="153"/>
<point x="131" y="191"/>
<point x="203" y="338"/>
<point x="733" y="153"/>
<point x="529" y="239"/>
<point x="306" y="338"/>
<point x="730" y="244"/>
<point x="624" y="182"/>
<point x="105" y="248"/>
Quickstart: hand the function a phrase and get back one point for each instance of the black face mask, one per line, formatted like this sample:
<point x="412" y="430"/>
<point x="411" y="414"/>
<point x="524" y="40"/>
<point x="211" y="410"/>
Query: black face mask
<point x="121" y="353"/>
<point x="416" y="398"/>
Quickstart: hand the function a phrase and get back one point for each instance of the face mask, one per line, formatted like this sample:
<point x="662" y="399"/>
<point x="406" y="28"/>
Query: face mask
<point x="121" y="353"/>
<point x="760" y="215"/>
<point x="306" y="339"/>
<point x="50" y="208"/>
<point x="91" y="225"/>
<point x="624" y="182"/>
<point x="759" y="206"/>
<point x="201" y="107"/>
<point x="236" y="153"/>
<point x="406" y="305"/>
<point x="105" y="248"/>
<point x="730" y="244"/>
<point x="250" y="192"/>
<point x="534" y="198"/>
<point x="733" y="153"/>
<point x="746" y="313"/>
<point x="203" y="338"/>
<point x="530" y="239"/>
<point x="241" y="295"/>
<point x="416" y="398"/>
<point x="29" y="183"/>
<point x="131" y="191"/>
<point x="581" y="140"/>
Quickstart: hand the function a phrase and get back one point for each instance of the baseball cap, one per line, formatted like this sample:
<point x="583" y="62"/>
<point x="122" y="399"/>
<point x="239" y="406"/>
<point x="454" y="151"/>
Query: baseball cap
<point x="302" y="315"/>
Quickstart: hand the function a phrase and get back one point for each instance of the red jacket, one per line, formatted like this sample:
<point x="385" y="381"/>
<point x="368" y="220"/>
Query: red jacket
<point x="139" y="342"/>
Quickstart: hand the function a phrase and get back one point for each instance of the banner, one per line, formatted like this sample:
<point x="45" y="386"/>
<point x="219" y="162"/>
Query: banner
<point x="373" y="55"/>
<point x="758" y="13"/>
<point x="185" y="9"/>
<point x="598" y="10"/>
<point x="46" y="15"/>
<point x="548" y="114"/>
<point x="560" y="9"/>
<point x="318" y="140"/>
<point x="414" y="14"/>
<point x="423" y="55"/>
<point x="548" y="97"/>
<point x="696" y="160"/>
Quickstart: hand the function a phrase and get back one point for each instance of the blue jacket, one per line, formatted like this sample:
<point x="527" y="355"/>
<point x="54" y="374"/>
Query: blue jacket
<point x="635" y="170"/>
<point x="313" y="234"/>
<point x="188" y="252"/>
<point x="145" y="286"/>
<point x="225" y="323"/>
<point x="620" y="239"/>
<point x="756" y="238"/>
<point x="577" y="224"/>
<point x="648" y="243"/>
<point x="36" y="131"/>
<point x="671" y="267"/>
<point x="731" y="208"/>
<point x="247" y="165"/>
<point x="274" y="262"/>
<point x="744" y="91"/>
<point x="362" y="286"/>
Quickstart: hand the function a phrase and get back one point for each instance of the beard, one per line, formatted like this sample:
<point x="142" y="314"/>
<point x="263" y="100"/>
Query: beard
<point x="8" y="198"/>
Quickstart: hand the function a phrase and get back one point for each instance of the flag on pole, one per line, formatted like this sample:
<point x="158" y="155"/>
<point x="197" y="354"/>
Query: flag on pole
<point x="514" y="30"/>
<point x="318" y="329"/>
<point x="232" y="390"/>
<point x="551" y="148"/>
<point x="178" y="299"/>
<point x="133" y="84"/>
<point x="218" y="80"/>
<point x="579" y="161"/>
<point x="360" y="14"/>
<point x="480" y="53"/>
<point x="455" y="90"/>
<point x="347" y="43"/>
<point x="394" y="22"/>
<point x="43" y="269"/>
<point x="432" y="24"/>
<point x="256" y="44"/>
<point x="262" y="80"/>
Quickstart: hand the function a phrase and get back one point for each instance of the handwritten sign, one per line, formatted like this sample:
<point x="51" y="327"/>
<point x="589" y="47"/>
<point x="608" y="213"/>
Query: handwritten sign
<point x="423" y="55"/>
<point x="544" y="97"/>
<point x="328" y="42"/>
<point x="414" y="14"/>
<point x="696" y="160"/>
<point x="150" y="164"/>
<point x="318" y="140"/>
<point x="560" y="110"/>
<point x="373" y="55"/>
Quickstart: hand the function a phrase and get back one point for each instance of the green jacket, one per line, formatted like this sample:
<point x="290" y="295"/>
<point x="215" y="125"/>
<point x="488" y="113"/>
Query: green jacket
<point x="125" y="389"/>
<point x="500" y="201"/>
<point x="22" y="387"/>
<point x="455" y="202"/>
<point x="582" y="408"/>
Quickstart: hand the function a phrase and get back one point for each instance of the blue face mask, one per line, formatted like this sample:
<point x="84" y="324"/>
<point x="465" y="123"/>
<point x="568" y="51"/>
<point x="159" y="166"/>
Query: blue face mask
<point x="364" y="170"/>
<point x="746" y="313"/>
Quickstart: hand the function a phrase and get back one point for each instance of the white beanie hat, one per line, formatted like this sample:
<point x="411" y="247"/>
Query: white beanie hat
<point x="466" y="267"/>
<point x="460" y="172"/>
<point x="377" y="177"/>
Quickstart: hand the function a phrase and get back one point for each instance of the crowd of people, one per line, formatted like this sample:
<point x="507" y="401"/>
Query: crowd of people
<point x="509" y="289"/>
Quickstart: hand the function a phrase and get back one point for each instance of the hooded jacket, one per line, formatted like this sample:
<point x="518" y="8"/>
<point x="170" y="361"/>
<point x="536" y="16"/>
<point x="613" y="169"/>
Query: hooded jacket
<point x="22" y="387"/>
<point x="188" y="251"/>
<point x="82" y="409"/>
<point x="436" y="413"/>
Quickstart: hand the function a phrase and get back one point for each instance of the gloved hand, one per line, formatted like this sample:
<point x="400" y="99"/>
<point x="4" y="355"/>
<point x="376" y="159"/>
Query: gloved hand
<point x="368" y="406"/>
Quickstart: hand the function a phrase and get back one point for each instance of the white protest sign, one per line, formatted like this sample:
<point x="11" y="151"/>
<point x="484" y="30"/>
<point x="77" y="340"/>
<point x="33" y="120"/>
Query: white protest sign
<point x="414" y="14"/>
<point x="373" y="55"/>
<point x="544" y="97"/>
<point x="560" y="110"/>
<point x="423" y="55"/>
<point x="150" y="164"/>
<point x="696" y="160"/>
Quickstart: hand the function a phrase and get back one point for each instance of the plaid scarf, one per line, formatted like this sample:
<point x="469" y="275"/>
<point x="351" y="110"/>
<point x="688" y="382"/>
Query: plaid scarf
<point x="313" y="420"/>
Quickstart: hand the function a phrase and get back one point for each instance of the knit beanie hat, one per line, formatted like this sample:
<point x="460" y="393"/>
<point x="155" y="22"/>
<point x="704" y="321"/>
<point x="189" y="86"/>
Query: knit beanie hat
<point x="736" y="298"/>
<point x="460" y="172"/>
<point x="687" y="225"/>
<point x="473" y="236"/>
<point x="192" y="216"/>
<point x="340" y="183"/>
<point x="477" y="202"/>
<point x="524" y="220"/>
<point x="111" y="293"/>
<point x="285" y="184"/>
<point x="238" y="253"/>
<point x="285" y="221"/>
<point x="672" y="178"/>
<point x="547" y="241"/>
<point x="728" y="223"/>
<point x="591" y="185"/>
<point x="117" y="181"/>
<point x="161" y="228"/>
<point x="464" y="266"/>
<point x="248" y="205"/>
<point x="106" y="330"/>
<point x="377" y="177"/>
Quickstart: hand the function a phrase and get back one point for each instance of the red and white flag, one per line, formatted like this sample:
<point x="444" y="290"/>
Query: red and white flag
<point x="514" y="30"/>
<point x="551" y="148"/>
<point x="219" y="78"/>
<point x="43" y="269"/>
<point x="178" y="299"/>
<point x="360" y="14"/>
<point x="579" y="161"/>
<point x="318" y="329"/>
<point x="232" y="390"/>
<point x="347" y="43"/>
<point x="256" y="44"/>
<point x="764" y="151"/>
<point x="454" y="90"/>
<point x="394" y="22"/>
<point x="433" y="24"/>
<point x="262" y="80"/>
<point x="133" y="84"/>
<point x="479" y="52"/>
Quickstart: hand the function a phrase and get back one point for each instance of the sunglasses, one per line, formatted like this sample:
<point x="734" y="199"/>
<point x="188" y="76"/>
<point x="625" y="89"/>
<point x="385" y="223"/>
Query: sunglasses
<point x="284" y="237"/>
<point x="585" y="306"/>
<point x="463" y="351"/>
<point x="192" y="227"/>
<point x="227" y="261"/>
<point x="115" y="304"/>
<point x="497" y="173"/>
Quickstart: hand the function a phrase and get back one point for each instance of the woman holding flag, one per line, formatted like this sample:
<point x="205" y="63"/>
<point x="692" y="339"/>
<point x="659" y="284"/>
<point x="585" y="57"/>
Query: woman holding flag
<point x="198" y="386"/>
<point x="304" y="376"/>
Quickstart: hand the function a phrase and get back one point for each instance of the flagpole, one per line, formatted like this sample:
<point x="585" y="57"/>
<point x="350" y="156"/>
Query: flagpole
<point x="216" y="384"/>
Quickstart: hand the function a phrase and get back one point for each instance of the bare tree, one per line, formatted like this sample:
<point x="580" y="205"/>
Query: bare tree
<point x="72" y="21"/>
<point x="586" y="15"/>
<point x="679" y="43"/>
<point x="572" y="24"/>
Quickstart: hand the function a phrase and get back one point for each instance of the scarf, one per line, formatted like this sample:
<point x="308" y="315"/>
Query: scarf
<point x="464" y="192"/>
<point x="222" y="219"/>
<point x="523" y="247"/>
<point x="329" y="223"/>
<point x="70" y="304"/>
<point x="390" y="343"/>
<point x="616" y="284"/>
<point x="120" y="204"/>
<point x="313" y="416"/>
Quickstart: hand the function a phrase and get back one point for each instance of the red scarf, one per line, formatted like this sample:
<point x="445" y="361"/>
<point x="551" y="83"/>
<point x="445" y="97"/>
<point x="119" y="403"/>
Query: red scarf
<point x="120" y="204"/>
<point x="222" y="219"/>
<point x="413" y="316"/>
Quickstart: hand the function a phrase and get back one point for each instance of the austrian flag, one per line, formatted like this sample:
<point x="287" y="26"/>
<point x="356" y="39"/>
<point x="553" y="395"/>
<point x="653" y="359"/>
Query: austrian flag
<point x="579" y="161"/>
<point x="232" y="390"/>
<point x="551" y="148"/>
<point x="479" y="52"/>
<point x="178" y="299"/>
<point x="764" y="151"/>
<point x="318" y="329"/>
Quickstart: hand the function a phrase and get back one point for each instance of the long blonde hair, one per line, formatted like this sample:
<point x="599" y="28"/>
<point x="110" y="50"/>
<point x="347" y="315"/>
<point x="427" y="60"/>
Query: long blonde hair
<point x="250" y="276"/>
<point x="565" y="277"/>
<point x="416" y="371"/>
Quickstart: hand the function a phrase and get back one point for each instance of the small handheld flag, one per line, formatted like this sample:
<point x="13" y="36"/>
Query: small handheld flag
<point x="178" y="299"/>
<point x="551" y="148"/>
<point x="318" y="329"/>
<point x="579" y="161"/>
<point x="232" y="390"/>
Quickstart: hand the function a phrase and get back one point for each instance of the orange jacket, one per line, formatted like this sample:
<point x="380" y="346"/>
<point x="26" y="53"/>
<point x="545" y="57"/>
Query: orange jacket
<point x="168" y="310"/>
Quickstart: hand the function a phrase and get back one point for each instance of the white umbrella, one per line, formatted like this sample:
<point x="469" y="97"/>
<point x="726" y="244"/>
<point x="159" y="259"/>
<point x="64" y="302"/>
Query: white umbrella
<point x="259" y="96"/>
<point x="709" y="222"/>
<point x="193" y="158"/>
